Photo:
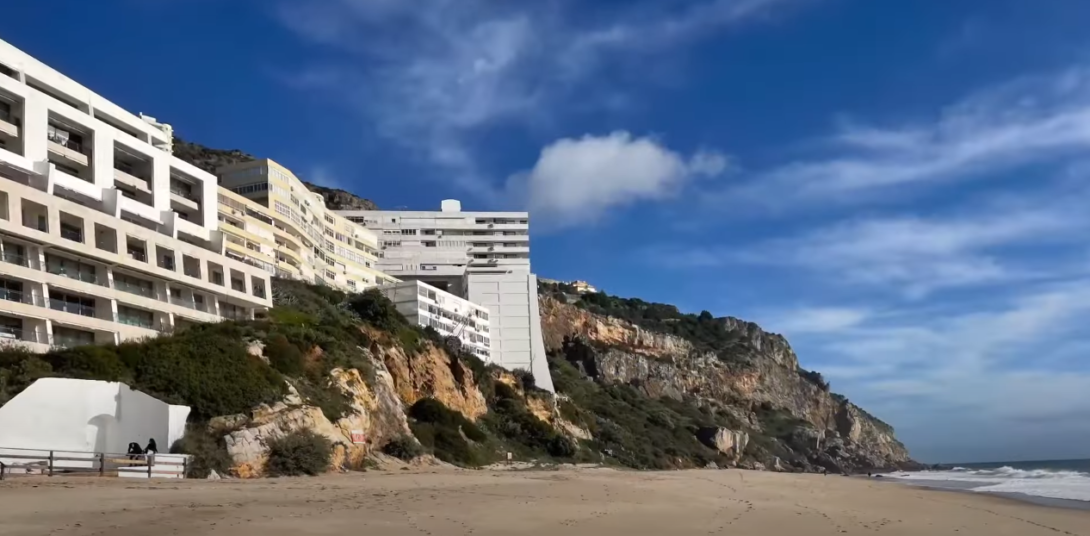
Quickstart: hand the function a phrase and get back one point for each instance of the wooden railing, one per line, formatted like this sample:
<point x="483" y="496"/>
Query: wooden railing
<point x="21" y="462"/>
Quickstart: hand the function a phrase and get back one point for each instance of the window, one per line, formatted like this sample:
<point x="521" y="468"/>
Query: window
<point x="65" y="138"/>
<point x="251" y="188"/>
<point x="329" y="220"/>
<point x="71" y="232"/>
<point x="351" y="284"/>
<point x="429" y="244"/>
<point x="330" y="275"/>
<point x="428" y="232"/>
<point x="408" y="232"/>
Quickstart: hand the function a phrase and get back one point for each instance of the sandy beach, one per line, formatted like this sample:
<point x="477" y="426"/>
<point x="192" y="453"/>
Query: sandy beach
<point x="449" y="503"/>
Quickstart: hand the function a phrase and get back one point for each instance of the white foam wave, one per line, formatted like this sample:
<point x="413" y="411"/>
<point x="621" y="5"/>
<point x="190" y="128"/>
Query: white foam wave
<point x="1071" y="485"/>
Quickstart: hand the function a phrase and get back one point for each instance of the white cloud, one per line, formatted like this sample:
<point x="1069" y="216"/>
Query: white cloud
<point x="998" y="129"/>
<point x="576" y="180"/>
<point x="431" y="75"/>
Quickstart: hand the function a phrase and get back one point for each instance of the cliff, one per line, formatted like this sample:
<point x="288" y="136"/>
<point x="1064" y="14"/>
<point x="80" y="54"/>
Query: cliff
<point x="750" y="380"/>
<point x="210" y="160"/>
<point x="643" y="387"/>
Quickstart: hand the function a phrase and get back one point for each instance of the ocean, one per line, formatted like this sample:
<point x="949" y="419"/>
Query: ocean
<point x="1067" y="480"/>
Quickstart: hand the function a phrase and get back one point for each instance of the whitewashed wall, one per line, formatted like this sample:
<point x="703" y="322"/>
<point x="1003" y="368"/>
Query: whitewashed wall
<point x="87" y="416"/>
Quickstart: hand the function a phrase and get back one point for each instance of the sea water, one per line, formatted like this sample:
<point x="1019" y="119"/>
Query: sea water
<point x="1065" y="479"/>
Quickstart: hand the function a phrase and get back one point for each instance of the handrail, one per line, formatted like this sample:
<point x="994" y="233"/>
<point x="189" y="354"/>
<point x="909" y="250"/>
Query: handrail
<point x="100" y="462"/>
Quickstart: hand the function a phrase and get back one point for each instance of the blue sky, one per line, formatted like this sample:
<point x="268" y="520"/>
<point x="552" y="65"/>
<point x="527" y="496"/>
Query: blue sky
<point x="899" y="187"/>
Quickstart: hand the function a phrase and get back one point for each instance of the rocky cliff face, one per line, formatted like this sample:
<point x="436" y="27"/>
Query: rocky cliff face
<point x="760" y="386"/>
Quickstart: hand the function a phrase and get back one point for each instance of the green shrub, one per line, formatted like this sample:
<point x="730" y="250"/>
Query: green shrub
<point x="207" y="453"/>
<point x="283" y="355"/>
<point x="404" y="448"/>
<point x="333" y="402"/>
<point x="299" y="453"/>
<point x="376" y="309"/>
<point x="291" y="316"/>
<point x="444" y="432"/>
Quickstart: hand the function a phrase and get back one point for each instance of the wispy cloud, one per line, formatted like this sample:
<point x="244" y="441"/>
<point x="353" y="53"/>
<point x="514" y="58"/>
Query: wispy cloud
<point x="433" y="74"/>
<point x="1004" y="364"/>
<point x="1022" y="122"/>
<point x="915" y="255"/>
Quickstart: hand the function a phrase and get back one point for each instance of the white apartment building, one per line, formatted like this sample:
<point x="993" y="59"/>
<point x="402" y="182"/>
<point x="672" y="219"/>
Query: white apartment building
<point x="481" y="256"/>
<point x="104" y="234"/>
<point x="448" y="314"/>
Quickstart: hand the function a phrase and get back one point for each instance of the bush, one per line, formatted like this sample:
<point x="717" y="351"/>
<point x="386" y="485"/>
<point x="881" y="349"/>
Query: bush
<point x="403" y="448"/>
<point x="444" y="432"/>
<point x="815" y="378"/>
<point x="376" y="309"/>
<point x="206" y="453"/>
<point x="299" y="453"/>
<point x="283" y="355"/>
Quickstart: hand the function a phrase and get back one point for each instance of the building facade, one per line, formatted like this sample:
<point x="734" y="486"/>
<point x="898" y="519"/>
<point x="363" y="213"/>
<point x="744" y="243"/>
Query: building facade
<point x="480" y="256"/>
<point x="271" y="219"/>
<point x="105" y="236"/>
<point x="448" y="314"/>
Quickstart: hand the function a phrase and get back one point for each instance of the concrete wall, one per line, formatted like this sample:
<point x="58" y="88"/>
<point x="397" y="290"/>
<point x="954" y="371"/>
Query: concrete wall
<point x="515" y="322"/>
<point x="87" y="416"/>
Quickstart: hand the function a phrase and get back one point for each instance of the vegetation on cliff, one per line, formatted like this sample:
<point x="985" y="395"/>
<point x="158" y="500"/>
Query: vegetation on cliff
<point x="232" y="367"/>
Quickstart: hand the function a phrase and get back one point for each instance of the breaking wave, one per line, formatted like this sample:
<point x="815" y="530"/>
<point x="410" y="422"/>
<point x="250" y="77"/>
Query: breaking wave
<point x="1053" y="484"/>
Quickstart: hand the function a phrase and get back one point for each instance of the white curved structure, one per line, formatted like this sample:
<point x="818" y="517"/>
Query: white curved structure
<point x="63" y="414"/>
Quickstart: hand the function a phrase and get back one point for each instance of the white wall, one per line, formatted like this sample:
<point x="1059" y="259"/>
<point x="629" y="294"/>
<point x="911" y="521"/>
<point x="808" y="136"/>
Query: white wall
<point x="87" y="416"/>
<point x="515" y="323"/>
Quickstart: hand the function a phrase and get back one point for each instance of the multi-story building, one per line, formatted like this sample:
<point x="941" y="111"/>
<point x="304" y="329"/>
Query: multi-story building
<point x="448" y="314"/>
<point x="481" y="256"/>
<point x="104" y="234"/>
<point x="272" y="220"/>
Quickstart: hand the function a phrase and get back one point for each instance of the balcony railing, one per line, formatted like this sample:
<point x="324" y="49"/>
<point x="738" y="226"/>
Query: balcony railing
<point x="190" y="304"/>
<point x="167" y="264"/>
<point x="12" y="334"/>
<point x="181" y="192"/>
<point x="133" y="288"/>
<point x="21" y="297"/>
<point x="62" y="342"/>
<point x="234" y="315"/>
<point x="15" y="258"/>
<point x="66" y="142"/>
<point x="69" y="307"/>
<point x="72" y="234"/>
<point x="138" y="321"/>
<point x="193" y="272"/>
<point x="78" y="275"/>
<point x="138" y="255"/>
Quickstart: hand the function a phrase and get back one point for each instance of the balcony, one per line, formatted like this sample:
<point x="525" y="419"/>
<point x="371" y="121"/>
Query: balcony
<point x="69" y="307"/>
<point x="137" y="320"/>
<point x="10" y="334"/>
<point x="9" y="124"/>
<point x="182" y="199"/>
<point x="132" y="181"/>
<point x="137" y="255"/>
<point x="133" y="288"/>
<point x="78" y="275"/>
<point x="15" y="258"/>
<point x="74" y="234"/>
<point x="68" y="149"/>
<point x="21" y="297"/>
<point x="190" y="304"/>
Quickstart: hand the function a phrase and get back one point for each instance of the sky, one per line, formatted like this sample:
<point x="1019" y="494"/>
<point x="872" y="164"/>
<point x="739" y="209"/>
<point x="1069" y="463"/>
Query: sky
<point x="899" y="187"/>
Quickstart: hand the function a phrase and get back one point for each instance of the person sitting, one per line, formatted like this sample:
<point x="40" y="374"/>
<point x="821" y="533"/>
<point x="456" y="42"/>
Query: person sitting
<point x="134" y="451"/>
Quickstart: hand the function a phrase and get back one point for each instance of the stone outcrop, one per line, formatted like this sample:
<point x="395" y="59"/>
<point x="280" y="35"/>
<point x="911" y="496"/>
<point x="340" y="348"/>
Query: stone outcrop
<point x="730" y="442"/>
<point x="376" y="412"/>
<point x="431" y="373"/>
<point x="759" y="379"/>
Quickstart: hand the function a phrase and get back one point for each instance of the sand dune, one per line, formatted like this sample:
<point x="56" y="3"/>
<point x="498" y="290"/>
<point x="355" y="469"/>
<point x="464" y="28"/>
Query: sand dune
<point x="454" y="503"/>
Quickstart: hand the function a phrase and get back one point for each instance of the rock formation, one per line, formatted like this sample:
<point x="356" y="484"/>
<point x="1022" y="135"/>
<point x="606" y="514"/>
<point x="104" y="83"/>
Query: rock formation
<point x="754" y="378"/>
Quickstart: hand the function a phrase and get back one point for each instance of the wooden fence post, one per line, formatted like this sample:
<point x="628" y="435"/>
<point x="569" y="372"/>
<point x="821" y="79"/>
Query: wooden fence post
<point x="50" y="463"/>
<point x="101" y="464"/>
<point x="2" y="470"/>
<point x="185" y="467"/>
<point x="147" y="458"/>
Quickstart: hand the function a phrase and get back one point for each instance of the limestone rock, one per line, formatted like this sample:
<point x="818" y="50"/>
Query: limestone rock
<point x="729" y="442"/>
<point x="431" y="373"/>
<point x="757" y="377"/>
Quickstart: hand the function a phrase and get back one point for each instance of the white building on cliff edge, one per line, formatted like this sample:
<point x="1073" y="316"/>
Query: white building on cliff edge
<point x="481" y="256"/>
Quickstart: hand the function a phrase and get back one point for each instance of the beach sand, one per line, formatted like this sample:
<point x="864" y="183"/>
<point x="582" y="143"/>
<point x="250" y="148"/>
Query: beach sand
<point x="598" y="502"/>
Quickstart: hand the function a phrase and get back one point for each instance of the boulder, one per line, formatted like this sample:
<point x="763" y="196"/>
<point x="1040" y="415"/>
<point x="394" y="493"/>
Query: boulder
<point x="729" y="442"/>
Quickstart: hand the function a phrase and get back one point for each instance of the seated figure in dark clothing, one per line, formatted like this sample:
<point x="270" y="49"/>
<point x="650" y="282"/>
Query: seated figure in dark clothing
<point x="135" y="451"/>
